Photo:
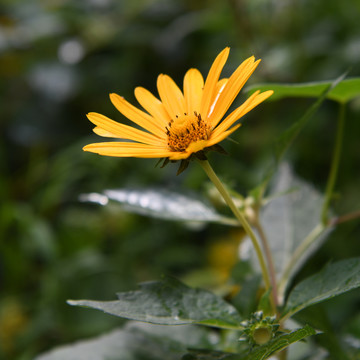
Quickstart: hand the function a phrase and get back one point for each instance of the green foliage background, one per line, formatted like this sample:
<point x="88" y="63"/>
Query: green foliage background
<point x="60" y="59"/>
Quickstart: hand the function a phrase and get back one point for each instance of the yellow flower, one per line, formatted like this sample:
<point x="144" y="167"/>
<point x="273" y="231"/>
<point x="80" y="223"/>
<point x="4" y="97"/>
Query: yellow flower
<point x="180" y="123"/>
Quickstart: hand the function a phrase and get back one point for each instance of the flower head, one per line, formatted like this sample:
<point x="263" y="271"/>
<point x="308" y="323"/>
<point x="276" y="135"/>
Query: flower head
<point x="181" y="123"/>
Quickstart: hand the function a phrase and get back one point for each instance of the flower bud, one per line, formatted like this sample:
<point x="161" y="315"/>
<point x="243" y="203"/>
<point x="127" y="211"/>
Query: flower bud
<point x="262" y="335"/>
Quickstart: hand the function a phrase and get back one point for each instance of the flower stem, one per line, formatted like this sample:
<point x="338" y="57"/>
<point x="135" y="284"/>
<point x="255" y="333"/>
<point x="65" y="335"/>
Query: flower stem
<point x="334" y="165"/>
<point x="269" y="259"/>
<point x="240" y="217"/>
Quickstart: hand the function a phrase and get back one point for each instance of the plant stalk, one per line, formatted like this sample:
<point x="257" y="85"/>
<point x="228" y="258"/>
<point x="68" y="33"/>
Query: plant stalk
<point x="269" y="259"/>
<point x="295" y="257"/>
<point x="334" y="164"/>
<point x="241" y="218"/>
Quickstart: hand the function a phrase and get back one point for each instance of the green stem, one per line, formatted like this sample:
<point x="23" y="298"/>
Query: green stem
<point x="240" y="217"/>
<point x="295" y="257"/>
<point x="334" y="165"/>
<point x="269" y="259"/>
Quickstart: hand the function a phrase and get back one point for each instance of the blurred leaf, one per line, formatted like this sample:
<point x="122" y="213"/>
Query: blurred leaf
<point x="265" y="303"/>
<point x="259" y="353"/>
<point x="210" y="355"/>
<point x="352" y="345"/>
<point x="169" y="302"/>
<point x="287" y="137"/>
<point x="283" y="142"/>
<point x="288" y="220"/>
<point x="345" y="91"/>
<point x="333" y="280"/>
<point x="161" y="203"/>
<point x="246" y="299"/>
<point x="156" y="342"/>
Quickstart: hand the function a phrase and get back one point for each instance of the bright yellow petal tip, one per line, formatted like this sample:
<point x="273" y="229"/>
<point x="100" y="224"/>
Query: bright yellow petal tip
<point x="180" y="123"/>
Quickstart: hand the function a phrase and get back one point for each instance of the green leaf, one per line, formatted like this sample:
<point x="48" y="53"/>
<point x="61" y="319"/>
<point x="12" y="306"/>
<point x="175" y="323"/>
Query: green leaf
<point x="344" y="92"/>
<point x="157" y="342"/>
<point x="333" y="280"/>
<point x="288" y="136"/>
<point x="265" y="303"/>
<point x="279" y="343"/>
<point x="259" y="353"/>
<point x="169" y="302"/>
<point x="161" y="203"/>
<point x="284" y="141"/>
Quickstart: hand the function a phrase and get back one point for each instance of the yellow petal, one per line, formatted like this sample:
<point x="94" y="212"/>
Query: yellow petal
<point x="255" y="99"/>
<point x="126" y="149"/>
<point x="137" y="116"/>
<point x="171" y="96"/>
<point x="152" y="105"/>
<point x="234" y="116"/>
<point x="101" y="132"/>
<point x="197" y="146"/>
<point x="193" y="89"/>
<point x="216" y="138"/>
<point x="123" y="131"/>
<point x="218" y="90"/>
<point x="179" y="155"/>
<point x="191" y="149"/>
<point x="232" y="89"/>
<point x="212" y="80"/>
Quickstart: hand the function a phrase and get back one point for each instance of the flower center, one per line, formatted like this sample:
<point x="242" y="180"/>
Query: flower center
<point x="185" y="129"/>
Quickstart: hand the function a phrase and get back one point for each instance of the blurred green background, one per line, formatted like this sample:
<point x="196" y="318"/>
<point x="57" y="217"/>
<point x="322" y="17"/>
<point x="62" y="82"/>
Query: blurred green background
<point x="59" y="59"/>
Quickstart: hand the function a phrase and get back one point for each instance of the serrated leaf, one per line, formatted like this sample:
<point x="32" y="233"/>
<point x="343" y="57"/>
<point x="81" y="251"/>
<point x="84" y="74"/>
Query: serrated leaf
<point x="157" y="342"/>
<point x="279" y="343"/>
<point x="258" y="353"/>
<point x="161" y="203"/>
<point x="169" y="302"/>
<point x="333" y="280"/>
<point x="288" y="220"/>
<point x="347" y="90"/>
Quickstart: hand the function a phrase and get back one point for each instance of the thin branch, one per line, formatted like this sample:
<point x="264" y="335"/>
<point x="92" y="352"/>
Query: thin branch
<point x="269" y="260"/>
<point x="344" y="218"/>
<point x="241" y="218"/>
<point x="334" y="164"/>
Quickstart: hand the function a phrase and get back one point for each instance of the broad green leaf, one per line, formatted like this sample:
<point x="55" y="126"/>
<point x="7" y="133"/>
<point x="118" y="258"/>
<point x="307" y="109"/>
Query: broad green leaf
<point x="157" y="342"/>
<point x="279" y="343"/>
<point x="161" y="203"/>
<point x="259" y="353"/>
<point x="347" y="90"/>
<point x="333" y="280"/>
<point x="287" y="221"/>
<point x="169" y="302"/>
